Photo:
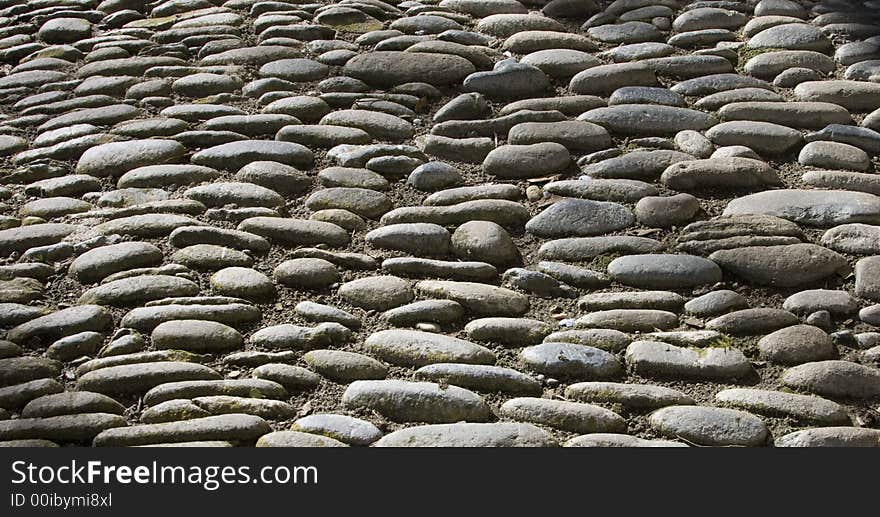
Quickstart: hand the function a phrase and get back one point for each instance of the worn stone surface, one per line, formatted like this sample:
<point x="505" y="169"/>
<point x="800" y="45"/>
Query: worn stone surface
<point x="218" y="220"/>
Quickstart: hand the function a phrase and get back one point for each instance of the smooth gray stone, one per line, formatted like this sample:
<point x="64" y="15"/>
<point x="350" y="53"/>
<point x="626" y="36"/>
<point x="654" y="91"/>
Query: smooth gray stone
<point x="508" y="331"/>
<point x="785" y="266"/>
<point x="655" y="359"/>
<point x="664" y="271"/>
<point x="292" y="378"/>
<point x="381" y="126"/>
<point x="711" y="426"/>
<point x="866" y="283"/>
<point x="196" y="336"/>
<point x="13" y="398"/>
<point x="22" y="238"/>
<point x="286" y="336"/>
<point x="584" y="249"/>
<point x="648" y="120"/>
<point x="561" y="63"/>
<point x="577" y="136"/>
<point x="715" y="303"/>
<point x="421" y="268"/>
<point x="605" y="79"/>
<point x="377" y="292"/>
<point x="574" y="276"/>
<point x="508" y="80"/>
<point x="830" y="437"/>
<point x="193" y="235"/>
<point x="619" y="190"/>
<point x="133" y="379"/>
<point x="564" y="415"/>
<point x="646" y="95"/>
<point x="363" y="202"/>
<point x="481" y="378"/>
<point x="478" y="299"/>
<point x="639" y="397"/>
<point x="617" y="440"/>
<point x="99" y="263"/>
<point x="571" y="361"/>
<point x="770" y="64"/>
<point x="762" y="137"/>
<point x="627" y="32"/>
<point x="292" y="232"/>
<point x="838" y="303"/>
<point x="716" y="101"/>
<point x="463" y="434"/>
<point x="629" y="320"/>
<point x="855" y="238"/>
<point x="485" y="241"/>
<point x="791" y="36"/>
<point x="235" y="427"/>
<point x="18" y="370"/>
<point x="807" y="115"/>
<point x="856" y="96"/>
<point x="71" y="403"/>
<point x="810" y="207"/>
<point x="425" y="311"/>
<point x="63" y="428"/>
<point x="235" y="155"/>
<point x="864" y="138"/>
<point x="843" y="180"/>
<point x="158" y="176"/>
<point x="657" y="300"/>
<point x="188" y="389"/>
<point x="834" y="155"/>
<point x="835" y="379"/>
<point x="604" y="339"/>
<point x="233" y="314"/>
<point x="797" y="344"/>
<point x="579" y="218"/>
<point x="666" y="211"/>
<point x="415" y="238"/>
<point x="136" y="290"/>
<point x="461" y="194"/>
<point x="536" y="283"/>
<point x="746" y="322"/>
<point x="386" y="68"/>
<point x="405" y="401"/>
<point x="637" y="165"/>
<point x="344" y="367"/>
<point x="51" y="327"/>
<point x="415" y="348"/>
<point x="346" y="429"/>
<point x="572" y="105"/>
<point x="242" y="282"/>
<point x="711" y="84"/>
<point x="805" y="408"/>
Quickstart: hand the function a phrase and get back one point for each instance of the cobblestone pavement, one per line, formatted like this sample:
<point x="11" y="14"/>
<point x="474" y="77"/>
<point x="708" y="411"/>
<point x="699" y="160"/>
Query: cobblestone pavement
<point x="454" y="223"/>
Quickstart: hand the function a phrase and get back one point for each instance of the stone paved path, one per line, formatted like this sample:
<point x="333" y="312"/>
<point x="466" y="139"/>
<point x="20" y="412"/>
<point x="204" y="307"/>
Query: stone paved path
<point x="440" y="223"/>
